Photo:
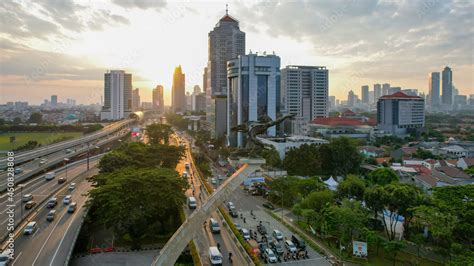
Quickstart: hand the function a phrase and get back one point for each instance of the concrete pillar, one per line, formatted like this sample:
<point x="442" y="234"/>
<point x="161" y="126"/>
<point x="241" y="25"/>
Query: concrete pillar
<point x="173" y="248"/>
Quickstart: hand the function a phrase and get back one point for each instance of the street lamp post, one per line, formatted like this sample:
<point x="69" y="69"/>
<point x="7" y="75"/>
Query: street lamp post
<point x="21" y="186"/>
<point x="88" y="144"/>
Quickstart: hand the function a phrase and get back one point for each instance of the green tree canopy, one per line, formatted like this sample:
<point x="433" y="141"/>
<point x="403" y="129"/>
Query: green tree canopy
<point x="344" y="157"/>
<point x="36" y="118"/>
<point x="382" y="176"/>
<point x="159" y="133"/>
<point x="318" y="200"/>
<point x="303" y="161"/>
<point x="351" y="187"/>
<point x="139" y="203"/>
<point x="284" y="191"/>
<point x="271" y="157"/>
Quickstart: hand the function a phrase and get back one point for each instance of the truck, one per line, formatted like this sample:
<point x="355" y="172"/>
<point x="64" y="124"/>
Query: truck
<point x="50" y="175"/>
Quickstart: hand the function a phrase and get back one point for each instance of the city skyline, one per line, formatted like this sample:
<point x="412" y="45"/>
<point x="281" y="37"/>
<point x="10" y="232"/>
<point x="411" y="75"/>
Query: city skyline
<point x="70" y="55"/>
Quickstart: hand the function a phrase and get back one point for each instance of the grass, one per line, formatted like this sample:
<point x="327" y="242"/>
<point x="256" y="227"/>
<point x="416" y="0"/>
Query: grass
<point x="22" y="138"/>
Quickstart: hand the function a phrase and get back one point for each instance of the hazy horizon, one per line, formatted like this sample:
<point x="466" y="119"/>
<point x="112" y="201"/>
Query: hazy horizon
<point x="65" y="47"/>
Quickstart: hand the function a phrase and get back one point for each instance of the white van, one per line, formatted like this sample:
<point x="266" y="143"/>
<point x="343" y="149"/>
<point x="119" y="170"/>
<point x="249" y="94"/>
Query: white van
<point x="50" y="175"/>
<point x="214" y="226"/>
<point x="215" y="256"/>
<point x="192" y="203"/>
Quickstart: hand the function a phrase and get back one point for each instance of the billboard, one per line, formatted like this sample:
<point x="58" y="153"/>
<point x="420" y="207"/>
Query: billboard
<point x="359" y="249"/>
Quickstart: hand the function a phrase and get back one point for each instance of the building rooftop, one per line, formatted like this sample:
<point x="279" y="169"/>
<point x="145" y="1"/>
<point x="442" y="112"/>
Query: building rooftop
<point x="400" y="95"/>
<point x="338" y="121"/>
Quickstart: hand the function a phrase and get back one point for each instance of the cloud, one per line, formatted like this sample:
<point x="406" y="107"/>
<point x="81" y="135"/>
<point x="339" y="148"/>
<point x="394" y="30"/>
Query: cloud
<point x="387" y="37"/>
<point x="141" y="4"/>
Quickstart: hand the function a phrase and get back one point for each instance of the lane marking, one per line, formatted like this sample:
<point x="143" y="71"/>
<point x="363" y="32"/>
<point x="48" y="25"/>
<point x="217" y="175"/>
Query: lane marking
<point x="16" y="258"/>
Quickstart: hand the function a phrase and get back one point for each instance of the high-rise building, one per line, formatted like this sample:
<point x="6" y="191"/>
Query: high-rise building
<point x="332" y="101"/>
<point x="54" y="100"/>
<point x="398" y="114"/>
<point x="394" y="90"/>
<point x="157" y="95"/>
<point x="364" y="92"/>
<point x="136" y="99"/>
<point x="447" y="86"/>
<point x="226" y="42"/>
<point x="351" y="98"/>
<point x="178" y="100"/>
<point x="385" y="89"/>
<point x="253" y="92"/>
<point x="196" y="89"/>
<point x="70" y="102"/>
<point x="117" y="95"/>
<point x="189" y="101"/>
<point x="199" y="102"/>
<point x="434" y="81"/>
<point x="377" y="91"/>
<point x="304" y="91"/>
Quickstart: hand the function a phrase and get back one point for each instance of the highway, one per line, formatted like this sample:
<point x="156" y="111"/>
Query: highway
<point x="35" y="166"/>
<point x="48" y="149"/>
<point x="52" y="243"/>
<point x="204" y="238"/>
<point x="40" y="188"/>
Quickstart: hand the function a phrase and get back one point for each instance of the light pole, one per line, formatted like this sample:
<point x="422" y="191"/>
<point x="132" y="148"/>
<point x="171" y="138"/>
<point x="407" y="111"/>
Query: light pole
<point x="66" y="160"/>
<point x="21" y="186"/>
<point x="88" y="144"/>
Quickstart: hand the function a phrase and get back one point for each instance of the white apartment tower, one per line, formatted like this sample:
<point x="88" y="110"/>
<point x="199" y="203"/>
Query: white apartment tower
<point x="117" y="95"/>
<point x="304" y="91"/>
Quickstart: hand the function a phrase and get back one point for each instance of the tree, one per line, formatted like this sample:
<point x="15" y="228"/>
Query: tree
<point x="177" y="121"/>
<point x="424" y="154"/>
<point x="139" y="203"/>
<point x="17" y="121"/>
<point x="283" y="190"/>
<point x="159" y="133"/>
<point x="36" y="118"/>
<point x="307" y="185"/>
<point x="470" y="170"/>
<point x="2" y="121"/>
<point x="382" y="176"/>
<point x="344" y="156"/>
<point x="318" y="200"/>
<point x="375" y="198"/>
<point x="351" y="187"/>
<point x="394" y="247"/>
<point x="271" y="157"/>
<point x="303" y="161"/>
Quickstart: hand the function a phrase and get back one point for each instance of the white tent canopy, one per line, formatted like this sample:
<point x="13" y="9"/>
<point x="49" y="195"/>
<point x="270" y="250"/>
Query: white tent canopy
<point x="331" y="183"/>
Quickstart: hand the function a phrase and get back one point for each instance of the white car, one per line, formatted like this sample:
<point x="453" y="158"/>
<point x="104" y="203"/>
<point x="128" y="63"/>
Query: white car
<point x="72" y="186"/>
<point x="290" y="246"/>
<point x="213" y="181"/>
<point x="277" y="234"/>
<point x="271" y="257"/>
<point x="5" y="257"/>
<point x="27" y="197"/>
<point x="245" y="233"/>
<point x="30" y="228"/>
<point x="67" y="199"/>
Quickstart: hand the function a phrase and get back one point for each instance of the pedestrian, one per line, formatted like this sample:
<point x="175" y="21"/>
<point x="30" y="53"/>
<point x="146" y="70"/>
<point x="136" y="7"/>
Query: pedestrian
<point x="218" y="246"/>
<point x="245" y="221"/>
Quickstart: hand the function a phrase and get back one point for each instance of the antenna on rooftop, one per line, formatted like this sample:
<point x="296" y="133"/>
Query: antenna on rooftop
<point x="226" y="9"/>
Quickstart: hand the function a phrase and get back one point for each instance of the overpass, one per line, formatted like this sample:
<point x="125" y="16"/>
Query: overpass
<point x="22" y="157"/>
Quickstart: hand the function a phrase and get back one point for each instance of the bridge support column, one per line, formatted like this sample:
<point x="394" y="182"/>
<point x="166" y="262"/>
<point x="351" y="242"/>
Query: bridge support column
<point x="176" y="244"/>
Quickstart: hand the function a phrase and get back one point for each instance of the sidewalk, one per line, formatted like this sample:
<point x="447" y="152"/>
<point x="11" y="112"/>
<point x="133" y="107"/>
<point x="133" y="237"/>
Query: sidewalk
<point x="333" y="258"/>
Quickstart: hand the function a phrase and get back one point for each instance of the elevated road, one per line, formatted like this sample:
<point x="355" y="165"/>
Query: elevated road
<point x="45" y="150"/>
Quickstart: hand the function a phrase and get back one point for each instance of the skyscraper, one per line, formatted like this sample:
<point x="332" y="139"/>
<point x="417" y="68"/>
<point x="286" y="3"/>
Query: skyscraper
<point x="377" y="91"/>
<point x="226" y="42"/>
<point x="385" y="89"/>
<point x="364" y="92"/>
<point x="351" y="98"/>
<point x="177" y="91"/>
<point x="447" y="75"/>
<point x="304" y="91"/>
<point x="136" y="99"/>
<point x="253" y="92"/>
<point x="196" y="89"/>
<point x="157" y="98"/>
<point x="54" y="100"/>
<point x="117" y="95"/>
<point x="434" y="89"/>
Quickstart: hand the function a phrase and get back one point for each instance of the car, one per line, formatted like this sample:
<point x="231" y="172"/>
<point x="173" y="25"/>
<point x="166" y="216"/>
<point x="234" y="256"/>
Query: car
<point x="214" y="226"/>
<point x="277" y="248"/>
<point x="261" y="229"/>
<point x="50" y="216"/>
<point x="72" y="186"/>
<point x="270" y="256"/>
<point x="72" y="207"/>
<point x="27" y="197"/>
<point x="254" y="246"/>
<point x="30" y="228"/>
<point x="69" y="151"/>
<point x="5" y="257"/>
<point x="220" y="177"/>
<point x="67" y="199"/>
<point x="290" y="246"/>
<point x="50" y="175"/>
<point x="215" y="256"/>
<point x="30" y="204"/>
<point x="233" y="213"/>
<point x="213" y="181"/>
<point x="52" y="202"/>
<point x="238" y="226"/>
<point x="300" y="244"/>
<point x="43" y="161"/>
<point x="230" y="205"/>
<point x="262" y="246"/>
<point x="245" y="233"/>
<point x="268" y="205"/>
<point x="18" y="170"/>
<point x="277" y="234"/>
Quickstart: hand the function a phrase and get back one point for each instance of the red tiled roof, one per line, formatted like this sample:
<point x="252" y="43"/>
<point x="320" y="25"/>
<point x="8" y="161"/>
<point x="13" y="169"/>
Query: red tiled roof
<point x="399" y="95"/>
<point x="381" y="160"/>
<point x="428" y="179"/>
<point x="347" y="112"/>
<point x="469" y="161"/>
<point x="337" y="121"/>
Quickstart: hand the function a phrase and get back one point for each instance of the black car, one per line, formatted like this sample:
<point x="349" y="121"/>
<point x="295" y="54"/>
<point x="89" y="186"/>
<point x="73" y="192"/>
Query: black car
<point x="300" y="244"/>
<point x="277" y="247"/>
<point x="262" y="246"/>
<point x="268" y="205"/>
<point x="233" y="213"/>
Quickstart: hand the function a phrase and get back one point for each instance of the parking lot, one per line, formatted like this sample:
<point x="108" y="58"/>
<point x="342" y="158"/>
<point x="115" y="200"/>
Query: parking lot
<point x="244" y="203"/>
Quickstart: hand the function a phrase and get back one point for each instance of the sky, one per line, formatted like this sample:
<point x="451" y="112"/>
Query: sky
<point x="64" y="47"/>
